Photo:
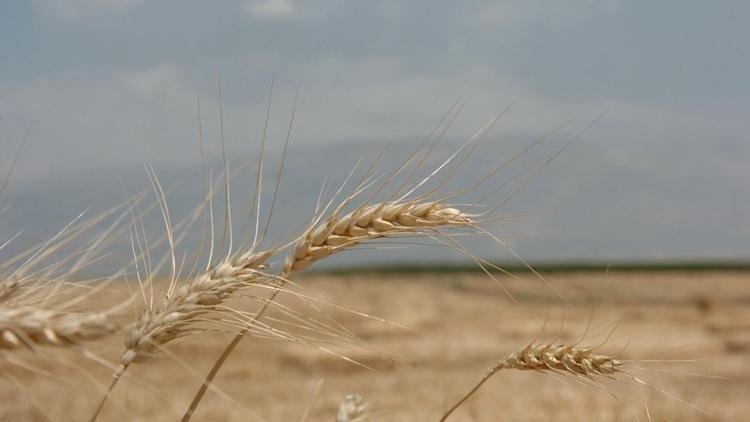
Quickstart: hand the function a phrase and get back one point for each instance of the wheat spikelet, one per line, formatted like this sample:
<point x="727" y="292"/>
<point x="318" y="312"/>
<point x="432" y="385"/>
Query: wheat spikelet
<point x="567" y="360"/>
<point x="30" y="326"/>
<point x="366" y="223"/>
<point x="351" y="409"/>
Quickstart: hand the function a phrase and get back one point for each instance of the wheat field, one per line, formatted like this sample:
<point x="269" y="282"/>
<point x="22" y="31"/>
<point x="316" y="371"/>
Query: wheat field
<point x="451" y="328"/>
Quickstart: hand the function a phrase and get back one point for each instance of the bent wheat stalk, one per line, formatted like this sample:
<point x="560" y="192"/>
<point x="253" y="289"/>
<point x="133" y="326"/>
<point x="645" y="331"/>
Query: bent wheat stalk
<point x="570" y="360"/>
<point x="337" y="233"/>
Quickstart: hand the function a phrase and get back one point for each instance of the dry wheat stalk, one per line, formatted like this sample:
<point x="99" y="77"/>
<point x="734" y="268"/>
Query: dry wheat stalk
<point x="351" y="409"/>
<point x="385" y="219"/>
<point x="568" y="360"/>
<point x="29" y="326"/>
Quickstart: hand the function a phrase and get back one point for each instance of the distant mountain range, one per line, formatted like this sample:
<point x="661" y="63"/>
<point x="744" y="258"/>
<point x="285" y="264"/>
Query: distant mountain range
<point x="597" y="201"/>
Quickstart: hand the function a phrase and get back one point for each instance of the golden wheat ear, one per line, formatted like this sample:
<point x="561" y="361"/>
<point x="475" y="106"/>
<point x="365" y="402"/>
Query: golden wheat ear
<point x="368" y="223"/>
<point x="561" y="359"/>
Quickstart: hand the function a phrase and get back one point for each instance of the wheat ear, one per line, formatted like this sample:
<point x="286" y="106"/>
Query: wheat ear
<point x="372" y="222"/>
<point x="570" y="360"/>
<point x="29" y="326"/>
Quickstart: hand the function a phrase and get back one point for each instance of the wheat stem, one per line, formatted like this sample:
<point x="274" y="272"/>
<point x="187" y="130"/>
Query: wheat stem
<point x="223" y="357"/>
<point x="490" y="372"/>
<point x="115" y="378"/>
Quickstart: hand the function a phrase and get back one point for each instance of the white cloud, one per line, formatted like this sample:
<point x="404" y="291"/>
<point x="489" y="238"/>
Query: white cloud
<point x="290" y="9"/>
<point x="151" y="82"/>
<point x="270" y="9"/>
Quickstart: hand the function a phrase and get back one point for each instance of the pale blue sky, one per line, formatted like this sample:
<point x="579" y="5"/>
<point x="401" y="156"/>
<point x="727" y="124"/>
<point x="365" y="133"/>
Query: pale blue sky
<point x="110" y="84"/>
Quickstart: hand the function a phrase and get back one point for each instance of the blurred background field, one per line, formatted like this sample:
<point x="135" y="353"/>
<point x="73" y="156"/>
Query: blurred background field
<point x="459" y="324"/>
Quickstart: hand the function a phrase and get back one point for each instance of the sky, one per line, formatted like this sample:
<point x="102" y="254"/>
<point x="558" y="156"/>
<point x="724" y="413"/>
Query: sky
<point x="108" y="85"/>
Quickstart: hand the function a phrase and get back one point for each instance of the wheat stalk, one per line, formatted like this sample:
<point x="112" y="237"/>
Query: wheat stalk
<point x="569" y="360"/>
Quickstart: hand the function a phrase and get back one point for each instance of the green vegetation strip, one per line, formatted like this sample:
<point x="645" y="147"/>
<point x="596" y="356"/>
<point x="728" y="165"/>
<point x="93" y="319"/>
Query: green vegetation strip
<point x="548" y="267"/>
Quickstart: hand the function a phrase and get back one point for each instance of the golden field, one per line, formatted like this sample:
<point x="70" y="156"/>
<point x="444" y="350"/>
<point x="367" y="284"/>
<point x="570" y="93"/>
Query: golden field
<point x="442" y="331"/>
